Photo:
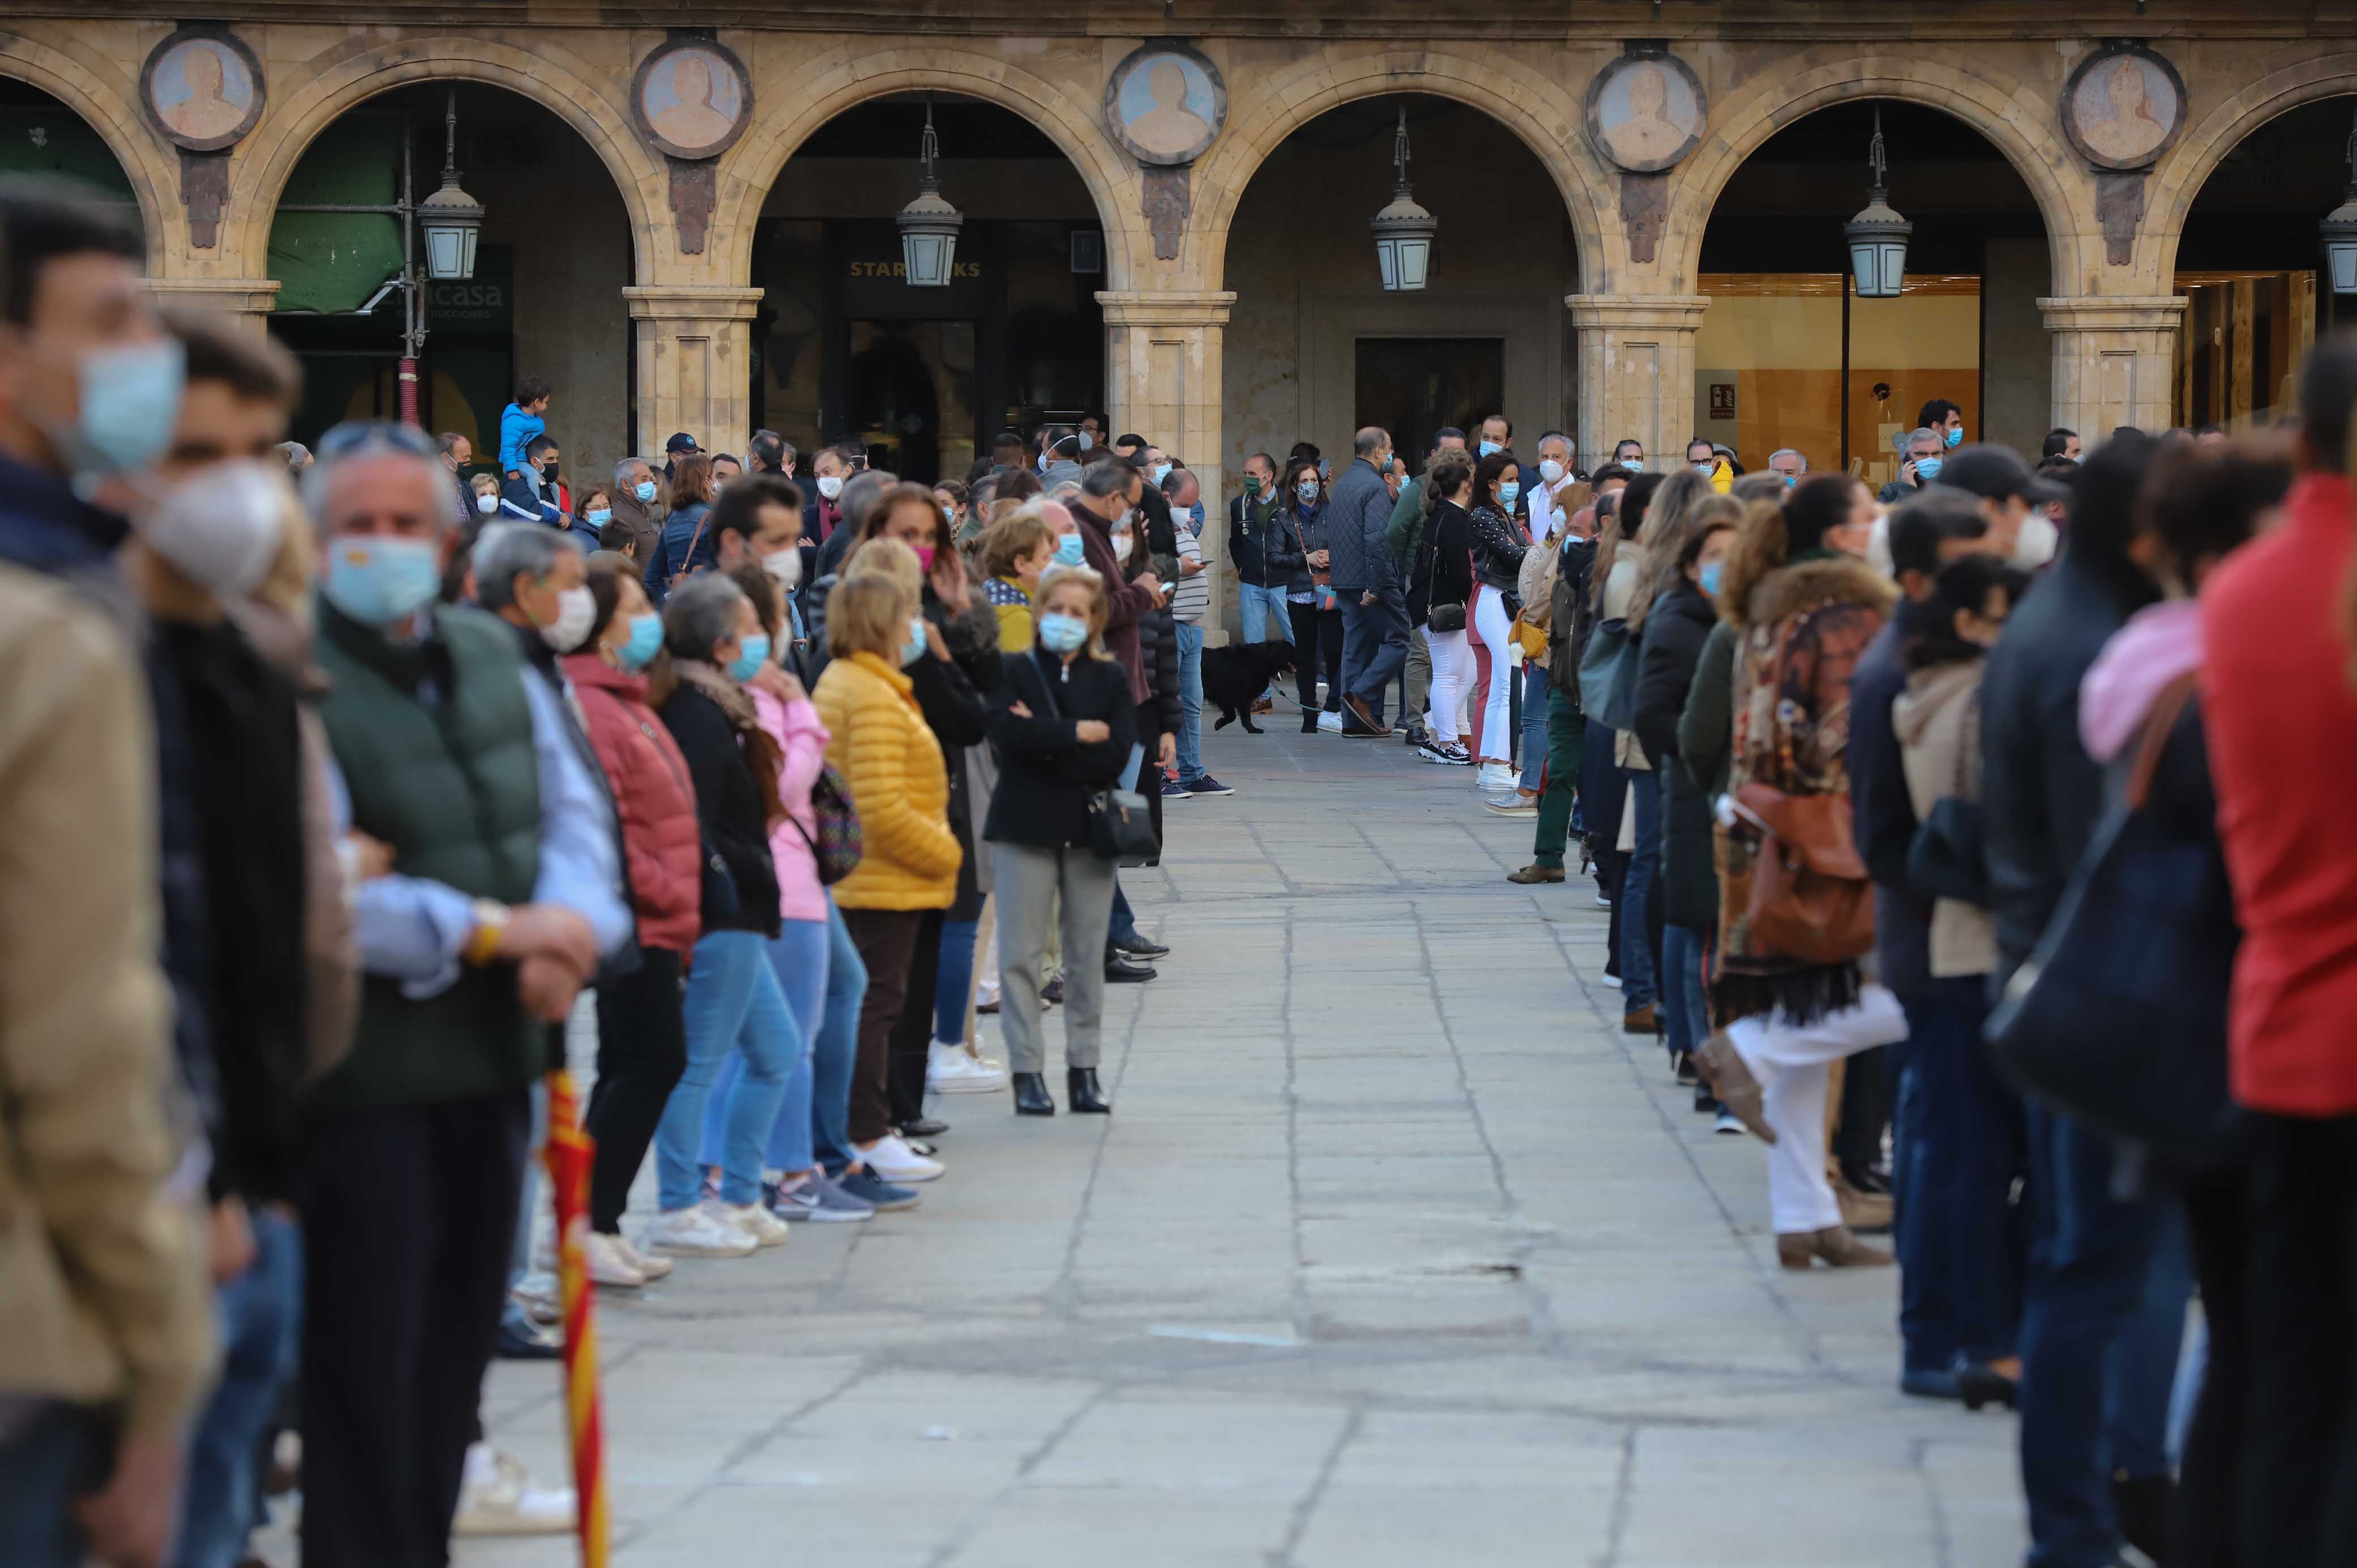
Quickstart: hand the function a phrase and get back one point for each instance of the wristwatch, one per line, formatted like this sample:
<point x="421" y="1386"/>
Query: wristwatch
<point x="490" y="928"/>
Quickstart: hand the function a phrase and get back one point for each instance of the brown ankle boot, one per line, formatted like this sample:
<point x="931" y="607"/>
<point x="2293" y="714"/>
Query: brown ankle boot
<point x="1723" y="1066"/>
<point x="1871" y="1212"/>
<point x="1834" y="1244"/>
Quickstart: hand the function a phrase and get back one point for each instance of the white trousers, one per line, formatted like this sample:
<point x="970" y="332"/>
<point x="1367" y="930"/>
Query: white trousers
<point x="1790" y="1061"/>
<point x="1493" y="628"/>
<point x="1452" y="682"/>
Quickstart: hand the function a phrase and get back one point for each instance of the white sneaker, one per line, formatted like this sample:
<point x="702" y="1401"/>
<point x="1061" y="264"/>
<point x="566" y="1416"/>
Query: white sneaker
<point x="610" y="1266"/>
<point x="653" y="1269"/>
<point x="1494" y="776"/>
<point x="693" y="1233"/>
<point x="766" y="1228"/>
<point x="949" y="1070"/>
<point x="541" y="1298"/>
<point x="497" y="1497"/>
<point x="1330" y="723"/>
<point x="897" y="1163"/>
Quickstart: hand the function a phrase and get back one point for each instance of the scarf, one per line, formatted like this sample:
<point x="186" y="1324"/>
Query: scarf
<point x="763" y="755"/>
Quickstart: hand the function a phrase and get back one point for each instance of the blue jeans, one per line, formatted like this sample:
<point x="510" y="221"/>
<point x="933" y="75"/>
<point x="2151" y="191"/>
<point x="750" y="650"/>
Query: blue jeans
<point x="59" y="1453"/>
<point x="1957" y="1145"/>
<point x="1190" y="712"/>
<point x="1374" y="647"/>
<point x="953" y="980"/>
<point x="733" y="1002"/>
<point x="1124" y="926"/>
<point x="2101" y="1326"/>
<point x="1535" y="725"/>
<point x="1638" y="987"/>
<point x="1259" y="608"/>
<point x="835" y="1047"/>
<point x="261" y="1319"/>
<point x="798" y="958"/>
<point x="1686" y="1015"/>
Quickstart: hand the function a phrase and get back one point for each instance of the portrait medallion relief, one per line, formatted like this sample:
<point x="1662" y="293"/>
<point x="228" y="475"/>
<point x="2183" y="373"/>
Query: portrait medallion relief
<point x="1645" y="111"/>
<point x="202" y="89"/>
<point x="1166" y="103"/>
<point x="692" y="98"/>
<point x="2123" y="107"/>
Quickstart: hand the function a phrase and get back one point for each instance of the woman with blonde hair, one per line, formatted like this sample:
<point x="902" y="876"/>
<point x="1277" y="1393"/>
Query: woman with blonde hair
<point x="1065" y="726"/>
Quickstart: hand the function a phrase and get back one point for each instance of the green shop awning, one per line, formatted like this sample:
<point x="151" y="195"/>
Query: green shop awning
<point x="332" y="262"/>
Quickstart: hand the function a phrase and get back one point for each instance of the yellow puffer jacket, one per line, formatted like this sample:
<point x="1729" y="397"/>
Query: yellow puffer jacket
<point x="892" y="765"/>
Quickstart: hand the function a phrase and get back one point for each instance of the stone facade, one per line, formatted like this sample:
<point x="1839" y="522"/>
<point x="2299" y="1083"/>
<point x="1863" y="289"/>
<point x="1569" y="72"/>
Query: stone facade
<point x="1630" y="286"/>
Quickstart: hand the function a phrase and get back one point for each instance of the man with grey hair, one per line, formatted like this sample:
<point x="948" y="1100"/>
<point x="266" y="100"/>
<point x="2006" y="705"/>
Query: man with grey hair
<point x="1373" y="605"/>
<point x="1920" y="459"/>
<point x="638" y="502"/>
<point x="1789" y="462"/>
<point x="499" y="910"/>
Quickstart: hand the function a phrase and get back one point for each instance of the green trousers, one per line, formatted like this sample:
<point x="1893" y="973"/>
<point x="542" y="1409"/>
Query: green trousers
<point x="1564" y="730"/>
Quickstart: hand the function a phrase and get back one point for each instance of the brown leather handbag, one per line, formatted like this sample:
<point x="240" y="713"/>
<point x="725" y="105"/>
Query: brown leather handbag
<point x="1811" y="899"/>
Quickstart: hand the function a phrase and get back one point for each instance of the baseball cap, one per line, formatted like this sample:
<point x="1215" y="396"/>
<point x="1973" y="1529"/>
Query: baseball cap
<point x="682" y="442"/>
<point x="1994" y="472"/>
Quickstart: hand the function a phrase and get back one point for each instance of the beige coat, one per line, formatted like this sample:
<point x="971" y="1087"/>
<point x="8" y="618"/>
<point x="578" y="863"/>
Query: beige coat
<point x="102" y="1289"/>
<point x="1628" y="566"/>
<point x="1938" y="721"/>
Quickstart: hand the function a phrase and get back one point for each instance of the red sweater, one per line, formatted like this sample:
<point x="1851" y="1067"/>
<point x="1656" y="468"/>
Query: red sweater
<point x="654" y="798"/>
<point x="2282" y="725"/>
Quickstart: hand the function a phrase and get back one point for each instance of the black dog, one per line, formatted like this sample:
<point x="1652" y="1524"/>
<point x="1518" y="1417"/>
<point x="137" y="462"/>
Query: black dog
<point x="1235" y="676"/>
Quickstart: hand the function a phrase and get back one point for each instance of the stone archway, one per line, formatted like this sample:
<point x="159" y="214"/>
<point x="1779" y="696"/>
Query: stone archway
<point x="567" y="87"/>
<point x="844" y="78"/>
<point x="1546" y="115"/>
<point x="1745" y="117"/>
<point x="106" y="99"/>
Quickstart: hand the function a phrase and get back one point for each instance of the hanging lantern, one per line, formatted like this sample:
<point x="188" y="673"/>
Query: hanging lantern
<point x="1878" y="236"/>
<point x="452" y="219"/>
<point x="929" y="225"/>
<point x="1404" y="231"/>
<point x="2340" y="227"/>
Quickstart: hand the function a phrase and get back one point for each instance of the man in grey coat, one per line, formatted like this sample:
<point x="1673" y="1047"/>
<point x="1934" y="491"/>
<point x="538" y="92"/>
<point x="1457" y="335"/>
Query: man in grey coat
<point x="1367" y="589"/>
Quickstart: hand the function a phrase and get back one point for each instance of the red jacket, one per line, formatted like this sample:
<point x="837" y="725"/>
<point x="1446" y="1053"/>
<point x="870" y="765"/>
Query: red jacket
<point x="657" y="804"/>
<point x="2282" y="725"/>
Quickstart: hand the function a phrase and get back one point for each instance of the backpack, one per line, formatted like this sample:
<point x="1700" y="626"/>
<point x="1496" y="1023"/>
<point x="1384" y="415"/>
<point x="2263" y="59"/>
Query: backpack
<point x="839" y="843"/>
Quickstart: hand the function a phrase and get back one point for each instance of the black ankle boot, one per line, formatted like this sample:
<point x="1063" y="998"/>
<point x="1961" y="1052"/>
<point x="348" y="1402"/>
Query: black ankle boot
<point x="1031" y="1094"/>
<point x="1081" y="1088"/>
<point x="1308" y="721"/>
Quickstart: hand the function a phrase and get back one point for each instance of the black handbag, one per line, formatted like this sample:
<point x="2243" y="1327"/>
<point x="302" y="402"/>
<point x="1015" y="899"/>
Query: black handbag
<point x="1121" y="828"/>
<point x="2120" y="1015"/>
<point x="1948" y="857"/>
<point x="1446" y="618"/>
<point x="1607" y="675"/>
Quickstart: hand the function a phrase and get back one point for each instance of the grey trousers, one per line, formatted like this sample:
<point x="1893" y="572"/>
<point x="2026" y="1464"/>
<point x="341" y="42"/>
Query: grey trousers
<point x="1026" y="883"/>
<point x="1418" y="675"/>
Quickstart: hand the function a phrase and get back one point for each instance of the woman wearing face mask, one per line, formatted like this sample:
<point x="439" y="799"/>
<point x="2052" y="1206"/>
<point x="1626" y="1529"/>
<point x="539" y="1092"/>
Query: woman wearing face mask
<point x="1449" y="536"/>
<point x="732" y="1000"/>
<point x="1317" y="615"/>
<point x="1014" y="553"/>
<point x="642" y="1040"/>
<point x="1499" y="546"/>
<point x="1062" y="723"/>
<point x="487" y="498"/>
<point x="899" y="780"/>
<point x="687" y="545"/>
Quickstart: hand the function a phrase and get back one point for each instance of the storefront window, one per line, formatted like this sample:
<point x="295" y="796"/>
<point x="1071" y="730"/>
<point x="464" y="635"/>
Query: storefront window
<point x="2241" y="344"/>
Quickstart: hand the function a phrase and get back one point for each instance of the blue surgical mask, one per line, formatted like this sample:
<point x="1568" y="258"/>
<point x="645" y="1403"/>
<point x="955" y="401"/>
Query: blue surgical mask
<point x="130" y="403"/>
<point x="645" y="491"/>
<point x="1508" y="491"/>
<point x="916" y="643"/>
<point x="598" y="517"/>
<point x="1956" y="436"/>
<point x="1071" y="551"/>
<point x="1159" y="472"/>
<point x="1791" y="480"/>
<point x="1488" y="447"/>
<point x="378" y="579"/>
<point x="753" y="652"/>
<point x="1928" y="468"/>
<point x="1709" y="576"/>
<point x="645" y="641"/>
<point x="1062" y="633"/>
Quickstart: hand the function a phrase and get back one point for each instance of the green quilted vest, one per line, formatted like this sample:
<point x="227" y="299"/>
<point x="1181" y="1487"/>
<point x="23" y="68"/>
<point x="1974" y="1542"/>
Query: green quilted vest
<point x="454" y="789"/>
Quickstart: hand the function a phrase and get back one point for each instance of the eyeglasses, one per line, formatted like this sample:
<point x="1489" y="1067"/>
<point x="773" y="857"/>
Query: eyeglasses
<point x="359" y="434"/>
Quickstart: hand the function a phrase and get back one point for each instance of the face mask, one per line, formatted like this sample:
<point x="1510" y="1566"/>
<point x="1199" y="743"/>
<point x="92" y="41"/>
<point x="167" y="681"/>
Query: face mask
<point x="1709" y="575"/>
<point x="1062" y="633"/>
<point x="829" y="486"/>
<point x="378" y="579"/>
<point x="645" y="491"/>
<point x="487" y="504"/>
<point x="1306" y="489"/>
<point x="2036" y="542"/>
<point x="1158" y="472"/>
<point x="1071" y="551"/>
<point x="1956" y="436"/>
<point x="786" y="566"/>
<point x="130" y="402"/>
<point x="220" y="526"/>
<point x="752" y="654"/>
<point x="576" y="608"/>
<point x="598" y="517"/>
<point x="1550" y="470"/>
<point x="1507" y="492"/>
<point x="1791" y="480"/>
<point x="1928" y="468"/>
<point x="1252" y="484"/>
<point x="1704" y="467"/>
<point x="1121" y="548"/>
<point x="1488" y="447"/>
<point x="1195" y="516"/>
<point x="549" y="473"/>
<point x="1087" y="441"/>
<point x="645" y="640"/>
<point x="916" y="643"/>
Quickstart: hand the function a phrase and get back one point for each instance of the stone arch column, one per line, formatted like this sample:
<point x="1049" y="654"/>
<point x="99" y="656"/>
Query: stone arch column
<point x="103" y="89"/>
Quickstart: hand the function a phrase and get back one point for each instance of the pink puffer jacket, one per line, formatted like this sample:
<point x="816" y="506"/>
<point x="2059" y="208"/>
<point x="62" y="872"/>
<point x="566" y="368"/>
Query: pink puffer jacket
<point x="802" y="747"/>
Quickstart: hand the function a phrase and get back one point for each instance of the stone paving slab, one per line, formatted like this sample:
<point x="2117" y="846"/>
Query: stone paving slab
<point x="1396" y="1250"/>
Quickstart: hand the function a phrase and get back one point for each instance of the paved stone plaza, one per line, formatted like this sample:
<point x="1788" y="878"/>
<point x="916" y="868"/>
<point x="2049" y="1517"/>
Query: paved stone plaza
<point x="1395" y="1251"/>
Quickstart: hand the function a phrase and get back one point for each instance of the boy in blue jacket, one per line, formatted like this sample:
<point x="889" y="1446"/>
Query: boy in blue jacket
<point x="519" y="422"/>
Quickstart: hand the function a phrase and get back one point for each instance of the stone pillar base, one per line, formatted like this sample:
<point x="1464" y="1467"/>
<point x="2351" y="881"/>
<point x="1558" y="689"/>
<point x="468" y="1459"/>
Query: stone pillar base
<point x="693" y="365"/>
<point x="249" y="301"/>
<point x="1163" y="379"/>
<point x="2115" y="362"/>
<point x="1636" y="371"/>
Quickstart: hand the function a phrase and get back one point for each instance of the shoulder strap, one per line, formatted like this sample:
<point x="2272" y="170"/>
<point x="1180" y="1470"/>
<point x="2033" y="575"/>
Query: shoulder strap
<point x="2158" y="726"/>
<point x="694" y="540"/>
<point x="1047" y="686"/>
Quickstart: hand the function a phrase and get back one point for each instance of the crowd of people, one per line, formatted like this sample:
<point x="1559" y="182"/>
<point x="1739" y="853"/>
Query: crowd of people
<point x="1973" y="844"/>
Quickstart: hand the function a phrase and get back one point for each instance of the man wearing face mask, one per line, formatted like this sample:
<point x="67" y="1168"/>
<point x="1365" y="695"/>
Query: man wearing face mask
<point x="822" y="511"/>
<point x="1059" y="454"/>
<point x="1922" y="455"/>
<point x="1630" y="455"/>
<point x="457" y="453"/>
<point x="537" y="495"/>
<point x="1554" y="478"/>
<point x="639" y="504"/>
<point x="1945" y="420"/>
<point x="760" y="520"/>
<point x="1366" y="586"/>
